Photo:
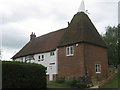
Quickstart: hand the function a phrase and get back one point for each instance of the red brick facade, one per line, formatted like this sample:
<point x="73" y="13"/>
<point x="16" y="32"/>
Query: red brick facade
<point x="96" y="55"/>
<point x="84" y="59"/>
<point x="71" y="66"/>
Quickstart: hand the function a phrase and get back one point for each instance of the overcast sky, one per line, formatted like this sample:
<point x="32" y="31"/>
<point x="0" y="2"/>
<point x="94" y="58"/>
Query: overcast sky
<point x="18" y="18"/>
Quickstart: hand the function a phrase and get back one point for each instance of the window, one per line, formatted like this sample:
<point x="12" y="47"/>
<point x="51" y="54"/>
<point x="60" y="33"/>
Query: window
<point x="52" y="53"/>
<point x="98" y="68"/>
<point x="21" y="59"/>
<point x="52" y="63"/>
<point x="42" y="58"/>
<point x="70" y="51"/>
<point x="38" y="57"/>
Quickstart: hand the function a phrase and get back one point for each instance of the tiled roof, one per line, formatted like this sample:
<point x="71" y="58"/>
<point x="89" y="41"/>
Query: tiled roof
<point x="80" y="30"/>
<point x="45" y="43"/>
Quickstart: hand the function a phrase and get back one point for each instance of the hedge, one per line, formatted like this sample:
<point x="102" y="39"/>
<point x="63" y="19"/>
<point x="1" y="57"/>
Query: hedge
<point x="23" y="75"/>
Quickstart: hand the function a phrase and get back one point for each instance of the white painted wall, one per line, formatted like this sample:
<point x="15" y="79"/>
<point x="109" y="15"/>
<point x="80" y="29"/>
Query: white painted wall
<point x="46" y="62"/>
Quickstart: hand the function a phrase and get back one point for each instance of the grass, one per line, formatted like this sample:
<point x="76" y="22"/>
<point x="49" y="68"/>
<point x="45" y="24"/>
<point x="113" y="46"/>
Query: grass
<point x="50" y="89"/>
<point x="60" y="84"/>
<point x="113" y="83"/>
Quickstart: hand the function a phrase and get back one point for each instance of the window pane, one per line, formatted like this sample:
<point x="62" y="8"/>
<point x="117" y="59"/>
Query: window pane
<point x="67" y="52"/>
<point x="71" y="50"/>
<point x="38" y="57"/>
<point x="52" y="53"/>
<point x="42" y="56"/>
<point x="98" y="68"/>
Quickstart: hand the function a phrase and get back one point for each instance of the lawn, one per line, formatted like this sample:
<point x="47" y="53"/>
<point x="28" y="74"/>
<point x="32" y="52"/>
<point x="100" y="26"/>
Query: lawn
<point x="60" y="84"/>
<point x="114" y="83"/>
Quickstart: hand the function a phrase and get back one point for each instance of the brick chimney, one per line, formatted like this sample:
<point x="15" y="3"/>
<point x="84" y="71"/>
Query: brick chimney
<point x="32" y="36"/>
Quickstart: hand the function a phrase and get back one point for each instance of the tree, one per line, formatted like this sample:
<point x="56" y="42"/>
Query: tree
<point x="119" y="44"/>
<point x="112" y="41"/>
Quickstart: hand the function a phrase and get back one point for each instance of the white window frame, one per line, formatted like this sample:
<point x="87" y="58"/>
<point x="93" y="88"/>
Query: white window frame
<point x="70" y="51"/>
<point x="42" y="57"/>
<point x="98" y="68"/>
<point x="52" y="53"/>
<point x="39" y="57"/>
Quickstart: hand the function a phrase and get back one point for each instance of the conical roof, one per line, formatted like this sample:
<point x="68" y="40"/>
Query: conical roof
<point x="81" y="30"/>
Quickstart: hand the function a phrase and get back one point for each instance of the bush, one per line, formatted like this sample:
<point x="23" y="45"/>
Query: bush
<point x="72" y="83"/>
<point x="23" y="75"/>
<point x="80" y="82"/>
<point x="82" y="86"/>
<point x="60" y="79"/>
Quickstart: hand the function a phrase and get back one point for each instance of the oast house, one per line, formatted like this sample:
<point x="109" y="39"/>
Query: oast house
<point x="74" y="51"/>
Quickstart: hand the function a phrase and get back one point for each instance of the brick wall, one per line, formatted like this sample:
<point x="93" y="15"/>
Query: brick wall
<point x="71" y="66"/>
<point x="96" y="55"/>
<point x="84" y="59"/>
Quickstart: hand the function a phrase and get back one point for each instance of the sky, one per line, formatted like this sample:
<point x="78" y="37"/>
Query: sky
<point x="18" y="18"/>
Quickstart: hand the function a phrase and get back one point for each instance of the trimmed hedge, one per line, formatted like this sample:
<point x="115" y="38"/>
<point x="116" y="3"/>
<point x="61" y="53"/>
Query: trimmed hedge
<point x="23" y="75"/>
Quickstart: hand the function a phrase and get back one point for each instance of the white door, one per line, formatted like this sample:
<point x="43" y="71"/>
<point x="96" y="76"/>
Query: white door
<point x="50" y="74"/>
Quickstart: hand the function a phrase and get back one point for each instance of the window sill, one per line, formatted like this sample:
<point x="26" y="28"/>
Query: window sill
<point x="98" y="72"/>
<point x="70" y="55"/>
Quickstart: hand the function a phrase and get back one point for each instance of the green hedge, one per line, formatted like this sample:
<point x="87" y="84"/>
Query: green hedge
<point x="23" y="75"/>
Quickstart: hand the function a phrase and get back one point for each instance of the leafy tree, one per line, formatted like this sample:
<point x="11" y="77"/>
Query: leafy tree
<point x="119" y="44"/>
<point x="112" y="41"/>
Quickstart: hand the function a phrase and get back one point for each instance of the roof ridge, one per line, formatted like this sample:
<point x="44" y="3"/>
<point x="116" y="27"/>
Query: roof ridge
<point x="51" y="32"/>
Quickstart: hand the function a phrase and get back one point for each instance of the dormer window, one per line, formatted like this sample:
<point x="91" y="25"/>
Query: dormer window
<point x="70" y="51"/>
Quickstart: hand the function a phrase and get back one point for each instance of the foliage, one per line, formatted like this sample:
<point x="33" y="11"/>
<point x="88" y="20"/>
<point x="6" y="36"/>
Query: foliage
<point x="119" y="44"/>
<point x="80" y="82"/>
<point x="64" y="84"/>
<point x="73" y="82"/>
<point x="23" y="75"/>
<point x="60" y="79"/>
<point x="113" y="83"/>
<point x="111" y="39"/>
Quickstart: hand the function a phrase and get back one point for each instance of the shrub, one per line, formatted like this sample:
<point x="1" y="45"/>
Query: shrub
<point x="81" y="86"/>
<point x="23" y="75"/>
<point x="60" y="79"/>
<point x="81" y="82"/>
<point x="72" y="83"/>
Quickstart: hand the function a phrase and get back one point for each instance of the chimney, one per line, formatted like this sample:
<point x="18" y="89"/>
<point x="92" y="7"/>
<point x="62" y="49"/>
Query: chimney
<point x="32" y="36"/>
